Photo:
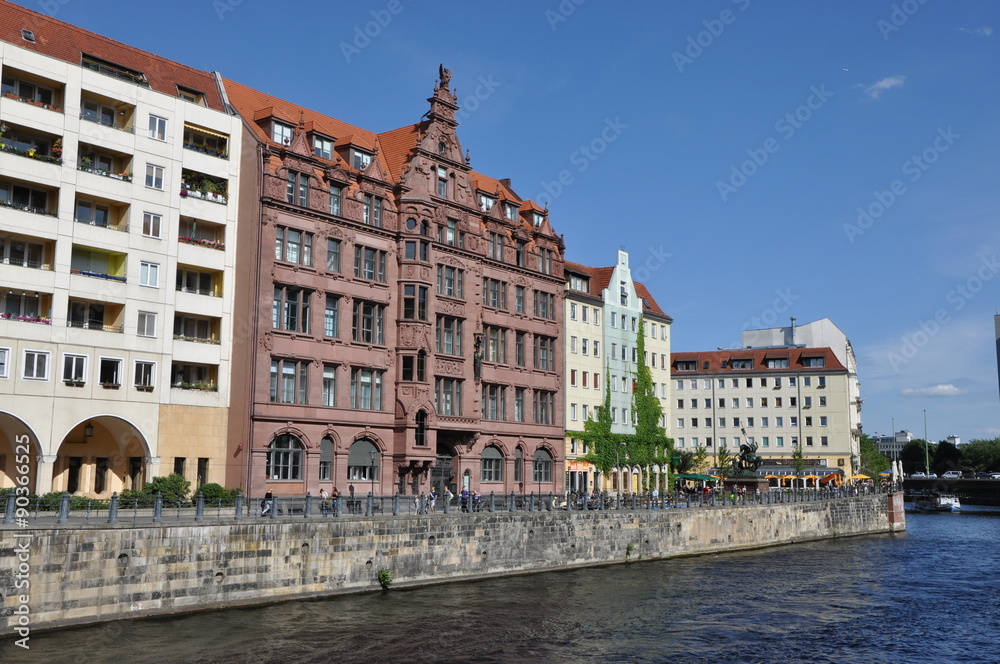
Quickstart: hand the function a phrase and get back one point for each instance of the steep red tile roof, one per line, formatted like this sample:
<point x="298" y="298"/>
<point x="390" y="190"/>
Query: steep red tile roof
<point x="600" y="278"/>
<point x="716" y="359"/>
<point x="68" y="43"/>
<point x="397" y="146"/>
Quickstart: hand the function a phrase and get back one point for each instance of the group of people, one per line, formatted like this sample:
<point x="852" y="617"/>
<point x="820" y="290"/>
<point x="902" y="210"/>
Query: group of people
<point x="468" y="501"/>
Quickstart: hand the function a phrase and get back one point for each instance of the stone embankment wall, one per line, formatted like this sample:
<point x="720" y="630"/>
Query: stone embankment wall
<point x="87" y="574"/>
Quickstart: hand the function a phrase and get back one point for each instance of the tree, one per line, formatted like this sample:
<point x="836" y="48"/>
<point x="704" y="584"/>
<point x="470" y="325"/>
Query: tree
<point x="799" y="460"/>
<point x="946" y="457"/>
<point x="872" y="461"/>
<point x="173" y="487"/>
<point x="912" y="455"/>
<point x="723" y="461"/>
<point x="650" y="445"/>
<point x="981" y="455"/>
<point x="699" y="460"/>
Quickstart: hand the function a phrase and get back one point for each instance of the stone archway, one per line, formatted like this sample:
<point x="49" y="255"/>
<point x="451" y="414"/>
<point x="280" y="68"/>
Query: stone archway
<point x="99" y="456"/>
<point x="19" y="447"/>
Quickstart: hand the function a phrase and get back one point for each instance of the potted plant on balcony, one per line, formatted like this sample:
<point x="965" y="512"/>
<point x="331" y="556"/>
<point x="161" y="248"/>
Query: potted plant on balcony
<point x="57" y="149"/>
<point x="86" y="163"/>
<point x="110" y="386"/>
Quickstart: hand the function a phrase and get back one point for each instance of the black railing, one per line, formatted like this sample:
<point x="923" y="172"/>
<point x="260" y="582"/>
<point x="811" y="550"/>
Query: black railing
<point x="63" y="508"/>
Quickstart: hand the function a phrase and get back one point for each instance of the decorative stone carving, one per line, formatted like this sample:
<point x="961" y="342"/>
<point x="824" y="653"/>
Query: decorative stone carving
<point x="449" y="367"/>
<point x="267" y="341"/>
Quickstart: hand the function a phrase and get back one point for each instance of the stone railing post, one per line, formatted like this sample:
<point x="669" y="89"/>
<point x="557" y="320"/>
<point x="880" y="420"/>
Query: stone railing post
<point x="158" y="507"/>
<point x="199" y="507"/>
<point x="113" y="510"/>
<point x="395" y="504"/>
<point x="274" y="508"/>
<point x="493" y="502"/>
<point x="63" y="507"/>
<point x="8" y="513"/>
<point x="512" y="506"/>
<point x="551" y="501"/>
<point x="308" y="509"/>
<point x="239" y="506"/>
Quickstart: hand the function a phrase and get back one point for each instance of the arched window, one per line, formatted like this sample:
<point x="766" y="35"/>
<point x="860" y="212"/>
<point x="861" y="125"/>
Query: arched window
<point x="284" y="458"/>
<point x="492" y="465"/>
<point x="542" y="467"/>
<point x="518" y="465"/>
<point x="420" y="434"/>
<point x="362" y="464"/>
<point x="325" y="458"/>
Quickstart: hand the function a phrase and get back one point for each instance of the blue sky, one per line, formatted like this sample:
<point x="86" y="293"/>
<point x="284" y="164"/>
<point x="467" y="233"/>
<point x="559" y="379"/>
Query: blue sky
<point x="758" y="160"/>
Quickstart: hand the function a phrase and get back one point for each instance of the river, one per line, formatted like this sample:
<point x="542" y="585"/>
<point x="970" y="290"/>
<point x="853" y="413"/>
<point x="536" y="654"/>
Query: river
<point x="931" y="594"/>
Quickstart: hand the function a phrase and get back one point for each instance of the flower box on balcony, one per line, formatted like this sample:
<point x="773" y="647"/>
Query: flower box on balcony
<point x="144" y="388"/>
<point x="111" y="386"/>
<point x="78" y="382"/>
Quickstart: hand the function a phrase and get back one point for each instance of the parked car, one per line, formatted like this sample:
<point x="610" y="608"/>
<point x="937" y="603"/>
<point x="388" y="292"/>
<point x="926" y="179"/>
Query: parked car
<point x="951" y="475"/>
<point x="982" y="476"/>
<point x="969" y="475"/>
<point x="932" y="476"/>
<point x="919" y="475"/>
<point x="995" y="476"/>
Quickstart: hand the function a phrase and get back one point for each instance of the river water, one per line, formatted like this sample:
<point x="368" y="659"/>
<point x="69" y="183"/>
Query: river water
<point x="931" y="594"/>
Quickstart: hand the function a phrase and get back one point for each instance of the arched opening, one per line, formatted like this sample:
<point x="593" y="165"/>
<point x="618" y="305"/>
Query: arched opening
<point x="18" y="444"/>
<point x="519" y="466"/>
<point x="363" y="463"/>
<point x="541" y="468"/>
<point x="492" y="465"/>
<point x="420" y="433"/>
<point x="285" y="455"/>
<point x="326" y="459"/>
<point x="101" y="456"/>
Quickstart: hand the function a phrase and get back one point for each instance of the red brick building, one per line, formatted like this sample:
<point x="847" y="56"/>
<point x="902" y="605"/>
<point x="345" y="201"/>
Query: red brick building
<point x="398" y="314"/>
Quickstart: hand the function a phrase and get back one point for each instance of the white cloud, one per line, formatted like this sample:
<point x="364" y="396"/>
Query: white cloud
<point x="876" y="89"/>
<point x="985" y="31"/>
<point x="935" y="391"/>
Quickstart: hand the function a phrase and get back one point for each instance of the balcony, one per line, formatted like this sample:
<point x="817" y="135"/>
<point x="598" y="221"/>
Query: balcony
<point x="116" y="166"/>
<point x="24" y="142"/>
<point x="206" y="141"/>
<point x="98" y="316"/>
<point x="187" y="376"/>
<point x="199" y="282"/>
<point x="30" y="89"/>
<point x="107" y="112"/>
<point x="26" y="307"/>
<point x="102" y="213"/>
<point x="202" y="234"/>
<point x="27" y="198"/>
<point x="113" y="70"/>
<point x="204" y="187"/>
<point x="26" y="252"/>
<point x="196" y="329"/>
<point x="98" y="264"/>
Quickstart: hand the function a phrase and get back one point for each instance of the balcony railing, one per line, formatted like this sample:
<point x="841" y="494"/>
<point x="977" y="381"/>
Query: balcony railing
<point x="98" y="275"/>
<point x="212" y="292"/>
<point x="200" y="340"/>
<point x="27" y="208"/>
<point x="122" y="227"/>
<point x="211" y="244"/>
<point x="89" y="118"/>
<point x="25" y="100"/>
<point x="34" y="265"/>
<point x="205" y="196"/>
<point x="124" y="177"/>
<point x="205" y="387"/>
<point x="93" y="325"/>
<point x="25" y="319"/>
<point x="113" y="72"/>
<point x="30" y="153"/>
<point x="206" y="150"/>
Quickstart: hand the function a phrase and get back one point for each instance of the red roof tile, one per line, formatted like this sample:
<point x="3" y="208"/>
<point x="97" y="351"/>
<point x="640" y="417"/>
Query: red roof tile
<point x="600" y="278"/>
<point x="716" y="359"/>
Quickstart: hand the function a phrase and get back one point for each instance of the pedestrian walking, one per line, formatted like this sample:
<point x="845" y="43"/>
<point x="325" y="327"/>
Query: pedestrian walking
<point x="324" y="502"/>
<point x="266" y="503"/>
<point x="432" y="499"/>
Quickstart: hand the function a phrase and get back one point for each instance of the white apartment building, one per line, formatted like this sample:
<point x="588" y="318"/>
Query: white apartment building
<point x="604" y="308"/>
<point x="117" y="247"/>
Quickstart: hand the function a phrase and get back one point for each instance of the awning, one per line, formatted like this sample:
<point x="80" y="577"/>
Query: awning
<point x="210" y="132"/>
<point x="859" y="476"/>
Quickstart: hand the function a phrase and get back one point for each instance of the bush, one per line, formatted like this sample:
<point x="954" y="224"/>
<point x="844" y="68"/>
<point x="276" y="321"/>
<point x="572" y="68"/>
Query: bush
<point x="173" y="487"/>
<point x="216" y="494"/>
<point x="385" y="578"/>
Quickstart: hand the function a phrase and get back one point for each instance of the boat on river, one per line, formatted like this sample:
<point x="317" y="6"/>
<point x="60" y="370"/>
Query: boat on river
<point x="937" y="502"/>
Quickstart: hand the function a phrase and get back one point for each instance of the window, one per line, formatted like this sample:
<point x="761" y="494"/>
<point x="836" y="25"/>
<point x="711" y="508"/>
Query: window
<point x="545" y="261"/>
<point x="822" y="420"/>
<point x="807" y="381"/>
<point x="36" y="365"/>
<point x="807" y="402"/>
<point x="519" y="349"/>
<point x="146" y="325"/>
<point x="492" y="465"/>
<point x="290" y="309"/>
<point x="293" y="246"/>
<point x="519" y="404"/>
<point x="780" y="441"/>
<point x="494" y="246"/>
<point x="572" y="377"/>
<point x="190" y="280"/>
<point x="413" y="368"/>
<point x="822" y="402"/>
<point x="764" y="422"/>
<point x="297" y="189"/>
<point x="442" y="182"/>
<point x="361" y="160"/>
<point x="545" y="353"/>
<point x="420" y="432"/>
<point x="325" y="459"/>
<point x="373" y="211"/>
<point x="486" y="202"/>
<point x="289" y="380"/>
<point x="329" y="385"/>
<point x="572" y="412"/>
<point x="448" y="335"/>
<point x="777" y="363"/>
<point x="519" y="299"/>
<point x="494" y="293"/>
<point x="586" y="411"/>
<point x="366" y="389"/>
<point x="110" y="371"/>
<point x="572" y="311"/>
<point x="157" y="128"/>
<point x="779" y="422"/>
<point x="95" y="214"/>
<point x="415" y="250"/>
<point x="813" y="361"/>
<point x="448" y="396"/>
<point x="369" y="264"/>
<point x="793" y="422"/>
<point x="367" y="326"/>
<point x="336" y="199"/>
<point x="545" y="305"/>
<point x="333" y="255"/>
<point x="792" y="401"/>
<point x="791" y="381"/>
<point x="144" y="373"/>
<point x="741" y="364"/>
<point x="450" y="281"/>
<point x="496" y="344"/>
<point x="331" y="315"/>
<point x="322" y="147"/>
<point x="149" y="274"/>
<point x="414" y="302"/>
<point x="572" y="345"/>
<point x="93" y="111"/>
<point x="74" y="368"/>
<point x="362" y="464"/>
<point x="494" y="402"/>
<point x="822" y="381"/>
<point x="824" y="441"/>
<point x="284" y="458"/>
<point x="520" y="258"/>
<point x="151" y="224"/>
<point x="281" y="133"/>
<point x="544" y="406"/>
<point x="542" y="467"/>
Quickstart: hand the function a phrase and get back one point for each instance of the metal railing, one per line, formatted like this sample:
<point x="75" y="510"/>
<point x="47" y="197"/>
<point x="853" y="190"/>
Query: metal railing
<point x="53" y="509"/>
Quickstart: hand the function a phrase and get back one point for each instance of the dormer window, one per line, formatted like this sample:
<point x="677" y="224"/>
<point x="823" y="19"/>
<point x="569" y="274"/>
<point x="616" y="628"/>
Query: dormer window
<point x="579" y="284"/>
<point x="322" y="147"/>
<point x="27" y="35"/>
<point x="361" y="160"/>
<point x="189" y="95"/>
<point x="281" y="133"/>
<point x="486" y="202"/>
<point x="537" y="219"/>
<point x="510" y="211"/>
<point x="442" y="182"/>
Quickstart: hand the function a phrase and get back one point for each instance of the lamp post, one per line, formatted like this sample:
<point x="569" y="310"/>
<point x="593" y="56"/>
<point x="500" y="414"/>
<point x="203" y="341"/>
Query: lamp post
<point x="927" y="465"/>
<point x="372" y="453"/>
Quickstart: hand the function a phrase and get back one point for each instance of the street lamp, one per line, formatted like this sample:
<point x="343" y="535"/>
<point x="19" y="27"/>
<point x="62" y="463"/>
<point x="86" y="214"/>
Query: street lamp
<point x="372" y="453"/>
